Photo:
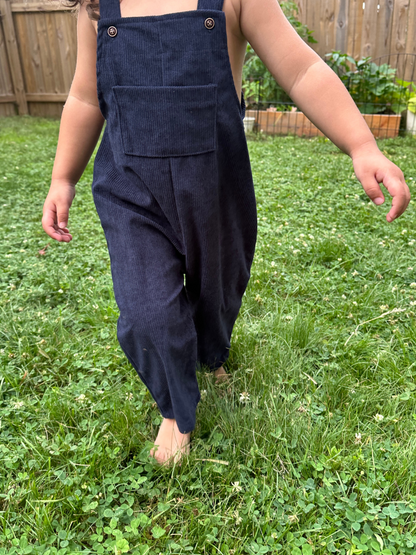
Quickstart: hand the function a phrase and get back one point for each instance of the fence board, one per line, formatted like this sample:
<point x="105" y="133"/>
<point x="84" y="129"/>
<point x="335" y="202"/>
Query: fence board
<point x="356" y="16"/>
<point x="327" y="24"/>
<point x="13" y="56"/>
<point x="369" y="36"/>
<point x="399" y="28"/>
<point x="384" y="25"/>
<point x="6" y="85"/>
<point x="341" y="34"/>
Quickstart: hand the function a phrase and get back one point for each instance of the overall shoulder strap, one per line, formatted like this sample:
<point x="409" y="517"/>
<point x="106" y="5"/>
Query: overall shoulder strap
<point x="210" y="5"/>
<point x="109" y="9"/>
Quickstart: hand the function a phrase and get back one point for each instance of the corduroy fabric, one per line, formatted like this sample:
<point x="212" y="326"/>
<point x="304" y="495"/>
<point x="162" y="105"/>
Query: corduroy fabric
<point x="173" y="188"/>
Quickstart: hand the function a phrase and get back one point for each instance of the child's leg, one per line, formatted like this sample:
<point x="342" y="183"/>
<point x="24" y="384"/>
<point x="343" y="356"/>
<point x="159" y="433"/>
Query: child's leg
<point x="218" y="226"/>
<point x="155" y="327"/>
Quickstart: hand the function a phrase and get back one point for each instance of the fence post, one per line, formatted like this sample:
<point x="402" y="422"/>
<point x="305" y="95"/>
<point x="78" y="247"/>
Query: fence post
<point x="13" y="56"/>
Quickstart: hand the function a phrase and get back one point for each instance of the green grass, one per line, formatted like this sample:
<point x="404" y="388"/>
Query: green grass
<point x="325" y="342"/>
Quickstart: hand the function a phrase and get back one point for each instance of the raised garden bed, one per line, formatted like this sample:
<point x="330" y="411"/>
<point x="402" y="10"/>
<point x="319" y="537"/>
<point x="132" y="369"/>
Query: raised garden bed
<point x="382" y="126"/>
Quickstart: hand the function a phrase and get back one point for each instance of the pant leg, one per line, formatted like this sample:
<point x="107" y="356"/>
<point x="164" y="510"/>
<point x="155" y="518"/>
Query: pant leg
<point x="218" y="218"/>
<point x="155" y="328"/>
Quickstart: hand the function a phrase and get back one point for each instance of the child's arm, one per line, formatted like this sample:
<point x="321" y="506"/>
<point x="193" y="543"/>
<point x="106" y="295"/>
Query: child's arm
<point x="80" y="128"/>
<point x="321" y="95"/>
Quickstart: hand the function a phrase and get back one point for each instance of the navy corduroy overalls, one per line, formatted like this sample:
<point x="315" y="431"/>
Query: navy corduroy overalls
<point x="173" y="188"/>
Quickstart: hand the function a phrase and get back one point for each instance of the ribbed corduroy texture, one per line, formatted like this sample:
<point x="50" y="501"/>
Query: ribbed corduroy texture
<point x="173" y="188"/>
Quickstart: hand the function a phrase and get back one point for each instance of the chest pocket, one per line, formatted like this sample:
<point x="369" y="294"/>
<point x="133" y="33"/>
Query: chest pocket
<point x="167" y="121"/>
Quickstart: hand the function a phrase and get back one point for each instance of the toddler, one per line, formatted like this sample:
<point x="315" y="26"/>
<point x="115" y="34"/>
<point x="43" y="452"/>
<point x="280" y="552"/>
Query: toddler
<point x="172" y="180"/>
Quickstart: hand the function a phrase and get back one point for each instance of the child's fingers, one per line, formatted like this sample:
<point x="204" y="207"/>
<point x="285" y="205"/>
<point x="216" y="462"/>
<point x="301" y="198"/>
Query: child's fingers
<point x="50" y="226"/>
<point x="372" y="188"/>
<point x="63" y="213"/>
<point x="401" y="198"/>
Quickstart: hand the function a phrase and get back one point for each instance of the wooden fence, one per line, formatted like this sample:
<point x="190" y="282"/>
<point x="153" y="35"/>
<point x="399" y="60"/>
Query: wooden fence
<point x="373" y="28"/>
<point x="37" y="57"/>
<point x="38" y="44"/>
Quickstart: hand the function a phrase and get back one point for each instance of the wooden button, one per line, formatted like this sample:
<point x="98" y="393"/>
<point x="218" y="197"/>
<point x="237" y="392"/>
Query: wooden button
<point x="112" y="31"/>
<point x="209" y="23"/>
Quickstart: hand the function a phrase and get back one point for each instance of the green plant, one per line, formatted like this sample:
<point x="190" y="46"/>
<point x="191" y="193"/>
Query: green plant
<point x="410" y="95"/>
<point x="259" y="85"/>
<point x="373" y="87"/>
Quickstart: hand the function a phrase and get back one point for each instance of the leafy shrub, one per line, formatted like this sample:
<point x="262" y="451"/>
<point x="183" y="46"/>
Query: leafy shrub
<point x="373" y="87"/>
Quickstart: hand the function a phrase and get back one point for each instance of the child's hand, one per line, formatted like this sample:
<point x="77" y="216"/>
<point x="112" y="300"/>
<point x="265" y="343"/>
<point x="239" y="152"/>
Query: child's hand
<point x="56" y="210"/>
<point x="371" y="168"/>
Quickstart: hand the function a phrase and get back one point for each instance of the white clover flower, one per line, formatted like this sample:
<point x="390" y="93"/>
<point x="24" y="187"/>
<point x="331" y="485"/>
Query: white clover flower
<point x="413" y="284"/>
<point x="379" y="417"/>
<point x="343" y="296"/>
<point x="357" y="438"/>
<point x="236" y="486"/>
<point x="203" y="393"/>
<point x="129" y="396"/>
<point x="17" y="404"/>
<point x="384" y="306"/>
<point x="393" y="289"/>
<point x="354" y="273"/>
<point x="403" y="231"/>
<point x="244" y="397"/>
<point x="81" y="398"/>
<point x="296" y="251"/>
<point x="60" y="290"/>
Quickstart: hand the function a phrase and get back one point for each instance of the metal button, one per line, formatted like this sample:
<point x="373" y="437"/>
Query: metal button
<point x="112" y="31"/>
<point x="209" y="23"/>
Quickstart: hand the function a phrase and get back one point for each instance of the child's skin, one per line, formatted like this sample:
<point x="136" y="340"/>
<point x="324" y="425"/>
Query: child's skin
<point x="314" y="88"/>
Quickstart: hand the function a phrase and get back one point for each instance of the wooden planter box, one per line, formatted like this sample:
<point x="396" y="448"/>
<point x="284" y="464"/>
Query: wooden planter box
<point x="296" y="123"/>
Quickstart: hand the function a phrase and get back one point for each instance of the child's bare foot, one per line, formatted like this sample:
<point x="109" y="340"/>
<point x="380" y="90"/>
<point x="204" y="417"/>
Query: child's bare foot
<point x="221" y="375"/>
<point x="171" y="444"/>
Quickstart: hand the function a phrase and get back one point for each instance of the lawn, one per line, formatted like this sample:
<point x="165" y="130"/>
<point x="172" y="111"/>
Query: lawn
<point x="311" y="450"/>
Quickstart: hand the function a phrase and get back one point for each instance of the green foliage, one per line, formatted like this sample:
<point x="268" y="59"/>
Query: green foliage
<point x="374" y="88"/>
<point x="259" y="85"/>
<point x="302" y="465"/>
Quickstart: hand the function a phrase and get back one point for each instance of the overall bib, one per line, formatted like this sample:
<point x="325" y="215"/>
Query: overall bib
<point x="173" y="188"/>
